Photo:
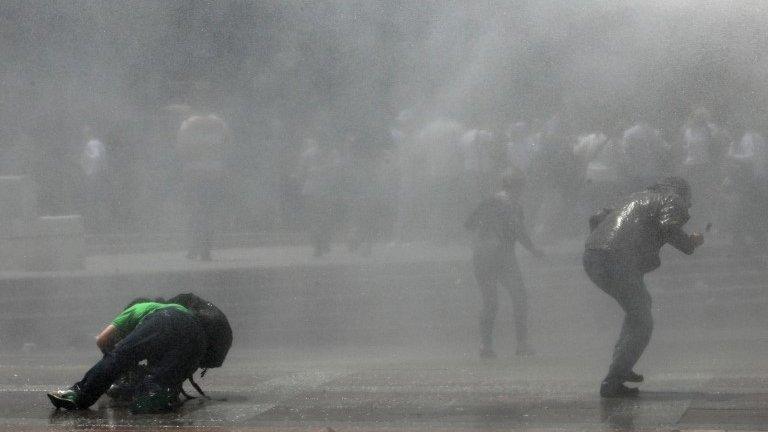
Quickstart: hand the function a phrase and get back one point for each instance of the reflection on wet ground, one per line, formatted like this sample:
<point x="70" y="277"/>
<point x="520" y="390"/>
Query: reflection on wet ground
<point x="364" y="392"/>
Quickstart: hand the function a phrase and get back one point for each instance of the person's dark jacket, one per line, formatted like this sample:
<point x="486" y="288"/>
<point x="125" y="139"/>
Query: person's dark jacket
<point x="497" y="224"/>
<point x="635" y="231"/>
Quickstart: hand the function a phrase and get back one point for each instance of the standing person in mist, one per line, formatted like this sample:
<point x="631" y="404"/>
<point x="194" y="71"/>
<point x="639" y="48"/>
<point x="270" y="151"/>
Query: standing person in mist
<point x="320" y="167"/>
<point x="498" y="225"/>
<point x="624" y="245"/>
<point x="748" y="178"/>
<point x="646" y="156"/>
<point x="93" y="161"/>
<point x="201" y="144"/>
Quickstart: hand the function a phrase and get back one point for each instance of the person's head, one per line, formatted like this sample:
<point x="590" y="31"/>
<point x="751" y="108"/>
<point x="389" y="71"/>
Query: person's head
<point x="677" y="185"/>
<point x="513" y="180"/>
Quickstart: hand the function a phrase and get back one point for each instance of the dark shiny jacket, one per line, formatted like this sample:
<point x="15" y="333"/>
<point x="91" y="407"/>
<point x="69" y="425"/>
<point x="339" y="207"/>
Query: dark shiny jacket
<point x="635" y="231"/>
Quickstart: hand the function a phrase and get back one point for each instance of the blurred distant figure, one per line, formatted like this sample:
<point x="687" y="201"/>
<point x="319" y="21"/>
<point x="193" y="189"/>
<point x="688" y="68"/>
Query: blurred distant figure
<point x="201" y="145"/>
<point x="624" y="245"/>
<point x="555" y="174"/>
<point x="479" y="159"/>
<point x="704" y="149"/>
<point x="521" y="145"/>
<point x="439" y="143"/>
<point x="406" y="173"/>
<point x="497" y="225"/>
<point x="320" y="167"/>
<point x="361" y="189"/>
<point x="646" y="156"/>
<point x="600" y="160"/>
<point x="748" y="178"/>
<point x="93" y="161"/>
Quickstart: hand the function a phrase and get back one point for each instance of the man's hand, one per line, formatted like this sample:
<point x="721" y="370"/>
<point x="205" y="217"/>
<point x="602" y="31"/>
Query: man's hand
<point x="697" y="238"/>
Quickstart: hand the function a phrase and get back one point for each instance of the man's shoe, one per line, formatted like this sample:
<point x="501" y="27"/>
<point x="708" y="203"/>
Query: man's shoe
<point x="632" y="377"/>
<point x="66" y="399"/>
<point x="615" y="389"/>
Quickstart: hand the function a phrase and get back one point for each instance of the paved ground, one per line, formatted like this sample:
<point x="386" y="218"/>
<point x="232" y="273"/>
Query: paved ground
<point x="370" y="390"/>
<point x="698" y="377"/>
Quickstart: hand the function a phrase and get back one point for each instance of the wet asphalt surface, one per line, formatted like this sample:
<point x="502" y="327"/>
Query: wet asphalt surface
<point x="704" y="373"/>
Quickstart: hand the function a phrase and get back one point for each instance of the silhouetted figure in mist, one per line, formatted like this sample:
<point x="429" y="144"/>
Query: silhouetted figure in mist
<point x="521" y="145"/>
<point x="704" y="145"/>
<point x="93" y="161"/>
<point x="201" y="143"/>
<point x="646" y="156"/>
<point x="555" y="174"/>
<point x="320" y="167"/>
<point x="624" y="245"/>
<point x="748" y="178"/>
<point x="498" y="225"/>
<point x="362" y="196"/>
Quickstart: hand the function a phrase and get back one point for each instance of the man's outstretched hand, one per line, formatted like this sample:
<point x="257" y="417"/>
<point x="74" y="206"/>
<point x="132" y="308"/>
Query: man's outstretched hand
<point x="697" y="238"/>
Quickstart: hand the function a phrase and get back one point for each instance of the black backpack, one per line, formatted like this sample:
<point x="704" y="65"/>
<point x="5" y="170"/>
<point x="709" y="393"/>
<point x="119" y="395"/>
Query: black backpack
<point x="215" y="324"/>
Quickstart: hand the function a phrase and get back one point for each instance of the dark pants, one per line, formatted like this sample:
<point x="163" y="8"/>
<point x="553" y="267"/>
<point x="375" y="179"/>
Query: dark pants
<point x="324" y="212"/>
<point x="204" y="197"/>
<point x="494" y="267"/>
<point x="171" y="341"/>
<point x="625" y="284"/>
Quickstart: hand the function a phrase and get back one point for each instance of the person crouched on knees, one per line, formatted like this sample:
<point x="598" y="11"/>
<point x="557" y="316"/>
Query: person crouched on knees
<point x="167" y="335"/>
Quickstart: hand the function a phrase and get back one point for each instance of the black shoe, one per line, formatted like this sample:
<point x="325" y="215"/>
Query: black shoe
<point x="66" y="399"/>
<point x="632" y="377"/>
<point x="615" y="389"/>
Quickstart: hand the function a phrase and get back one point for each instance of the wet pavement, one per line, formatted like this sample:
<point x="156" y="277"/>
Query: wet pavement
<point x="371" y="389"/>
<point x="705" y="368"/>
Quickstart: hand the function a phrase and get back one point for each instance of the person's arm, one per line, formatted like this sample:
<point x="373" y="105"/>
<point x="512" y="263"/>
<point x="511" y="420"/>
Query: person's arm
<point x="685" y="243"/>
<point x="525" y="240"/>
<point x="521" y="234"/>
<point x="673" y="215"/>
<point x="107" y="338"/>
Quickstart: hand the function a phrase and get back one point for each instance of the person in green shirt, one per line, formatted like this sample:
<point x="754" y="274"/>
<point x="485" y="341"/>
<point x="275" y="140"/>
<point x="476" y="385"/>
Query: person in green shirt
<point x="168" y="336"/>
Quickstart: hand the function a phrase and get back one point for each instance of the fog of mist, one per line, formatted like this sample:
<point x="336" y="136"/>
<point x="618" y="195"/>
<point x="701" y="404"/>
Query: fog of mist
<point x="279" y="72"/>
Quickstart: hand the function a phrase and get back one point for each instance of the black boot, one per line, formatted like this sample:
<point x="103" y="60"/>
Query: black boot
<point x="632" y="377"/>
<point x="615" y="389"/>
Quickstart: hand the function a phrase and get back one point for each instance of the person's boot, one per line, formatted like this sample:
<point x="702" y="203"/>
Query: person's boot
<point x="616" y="389"/>
<point x="124" y="388"/>
<point x="633" y="377"/>
<point x="155" y="399"/>
<point x="67" y="399"/>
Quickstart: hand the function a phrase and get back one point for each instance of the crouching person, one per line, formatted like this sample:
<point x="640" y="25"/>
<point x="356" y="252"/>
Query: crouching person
<point x="168" y="336"/>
